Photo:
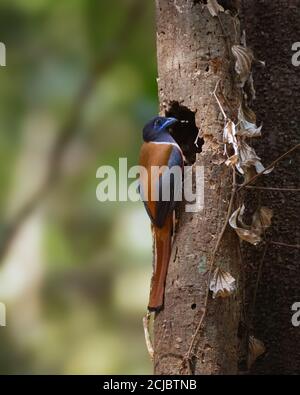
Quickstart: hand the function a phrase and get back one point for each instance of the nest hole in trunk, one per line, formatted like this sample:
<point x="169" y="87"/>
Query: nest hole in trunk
<point x="185" y="131"/>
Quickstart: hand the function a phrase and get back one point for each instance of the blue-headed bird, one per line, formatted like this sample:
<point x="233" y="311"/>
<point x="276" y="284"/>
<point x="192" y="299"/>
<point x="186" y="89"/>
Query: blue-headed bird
<point x="160" y="150"/>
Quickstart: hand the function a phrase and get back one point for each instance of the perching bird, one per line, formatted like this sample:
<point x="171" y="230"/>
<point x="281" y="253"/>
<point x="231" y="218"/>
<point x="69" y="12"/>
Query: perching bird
<point x="160" y="149"/>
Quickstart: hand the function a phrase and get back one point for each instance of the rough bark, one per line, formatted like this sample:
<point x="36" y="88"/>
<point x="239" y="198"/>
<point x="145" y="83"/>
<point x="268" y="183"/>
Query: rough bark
<point x="192" y="56"/>
<point x="272" y="27"/>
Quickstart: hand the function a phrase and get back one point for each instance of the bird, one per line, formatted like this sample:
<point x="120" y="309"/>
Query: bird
<point x="160" y="149"/>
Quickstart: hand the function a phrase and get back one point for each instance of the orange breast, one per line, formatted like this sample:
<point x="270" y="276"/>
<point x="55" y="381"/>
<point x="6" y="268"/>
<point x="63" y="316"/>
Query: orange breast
<point x="152" y="155"/>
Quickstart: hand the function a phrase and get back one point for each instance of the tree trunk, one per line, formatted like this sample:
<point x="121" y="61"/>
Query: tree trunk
<point x="272" y="27"/>
<point x="193" y="55"/>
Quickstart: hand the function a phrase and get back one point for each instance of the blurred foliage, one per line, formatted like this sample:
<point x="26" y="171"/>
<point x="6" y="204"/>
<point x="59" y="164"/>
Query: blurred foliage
<point x="76" y="278"/>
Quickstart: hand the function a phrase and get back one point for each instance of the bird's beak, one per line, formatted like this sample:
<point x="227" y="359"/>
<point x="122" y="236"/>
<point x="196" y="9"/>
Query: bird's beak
<point x="168" y="122"/>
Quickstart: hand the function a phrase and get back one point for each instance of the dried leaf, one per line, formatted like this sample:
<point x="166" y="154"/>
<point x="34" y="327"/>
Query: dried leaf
<point x="146" y="323"/>
<point x="252" y="234"/>
<point x="243" y="61"/>
<point x="222" y="283"/>
<point x="243" y="38"/>
<point x="246" y="155"/>
<point x="232" y="160"/>
<point x="248" y="114"/>
<point x="249" y="173"/>
<point x="262" y="219"/>
<point x="214" y="7"/>
<point x="229" y="135"/>
<point x="248" y="158"/>
<point x="243" y="231"/>
<point x="256" y="348"/>
<point x="247" y="123"/>
<point x="251" y="86"/>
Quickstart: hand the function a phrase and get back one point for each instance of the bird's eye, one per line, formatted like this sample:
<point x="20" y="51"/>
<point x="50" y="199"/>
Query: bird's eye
<point x="157" y="123"/>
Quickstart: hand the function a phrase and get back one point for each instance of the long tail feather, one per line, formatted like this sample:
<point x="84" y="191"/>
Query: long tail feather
<point x="163" y="245"/>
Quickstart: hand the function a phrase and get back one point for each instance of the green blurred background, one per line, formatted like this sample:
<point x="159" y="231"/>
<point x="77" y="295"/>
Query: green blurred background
<point x="79" y="84"/>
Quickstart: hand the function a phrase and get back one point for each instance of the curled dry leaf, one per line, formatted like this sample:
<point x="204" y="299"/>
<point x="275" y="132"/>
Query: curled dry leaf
<point x="250" y="83"/>
<point x="248" y="158"/>
<point x="229" y="135"/>
<point x="222" y="283"/>
<point x="256" y="348"/>
<point x="260" y="222"/>
<point x="146" y="323"/>
<point x="243" y="231"/>
<point x="243" y="62"/>
<point x="248" y="114"/>
<point x="243" y="38"/>
<point x="247" y="123"/>
<point x="249" y="173"/>
<point x="232" y="160"/>
<point x="214" y="7"/>
<point x="244" y="157"/>
<point x="262" y="219"/>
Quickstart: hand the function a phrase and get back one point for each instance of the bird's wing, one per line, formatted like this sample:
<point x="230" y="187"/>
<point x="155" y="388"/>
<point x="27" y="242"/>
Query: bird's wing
<point x="161" y="190"/>
<point x="170" y="187"/>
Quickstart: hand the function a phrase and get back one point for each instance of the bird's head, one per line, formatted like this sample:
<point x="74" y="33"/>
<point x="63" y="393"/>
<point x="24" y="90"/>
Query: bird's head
<point x="156" y="127"/>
